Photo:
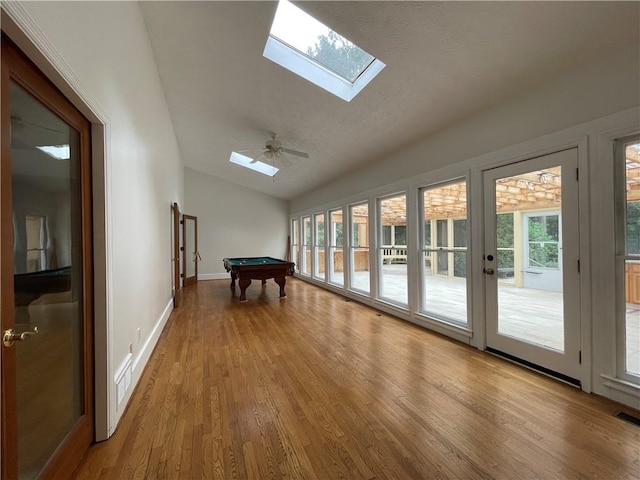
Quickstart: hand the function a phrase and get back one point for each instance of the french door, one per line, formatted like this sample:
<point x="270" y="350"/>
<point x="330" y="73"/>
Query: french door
<point x="191" y="256"/>
<point x="46" y="268"/>
<point x="531" y="263"/>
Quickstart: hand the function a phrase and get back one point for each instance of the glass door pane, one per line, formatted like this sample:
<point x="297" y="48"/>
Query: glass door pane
<point x="359" y="248"/>
<point x="336" y="242"/>
<point x="295" y="243"/>
<point x="392" y="249"/>
<point x="444" y="264"/>
<point x="306" y="246"/>
<point x="630" y="254"/>
<point x="191" y="255"/>
<point x="318" y="246"/>
<point x="47" y="259"/>
<point x="531" y="262"/>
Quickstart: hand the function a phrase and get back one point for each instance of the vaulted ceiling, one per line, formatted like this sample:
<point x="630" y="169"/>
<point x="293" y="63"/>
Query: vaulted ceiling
<point x="445" y="61"/>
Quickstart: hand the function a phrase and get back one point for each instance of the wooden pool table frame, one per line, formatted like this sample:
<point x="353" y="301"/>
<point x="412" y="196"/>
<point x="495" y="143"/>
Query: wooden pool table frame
<point x="258" y="271"/>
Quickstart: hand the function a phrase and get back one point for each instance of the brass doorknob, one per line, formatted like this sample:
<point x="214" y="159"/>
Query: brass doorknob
<point x="489" y="271"/>
<point x="10" y="336"/>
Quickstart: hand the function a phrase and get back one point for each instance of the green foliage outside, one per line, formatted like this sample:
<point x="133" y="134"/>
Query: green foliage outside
<point x="460" y="264"/>
<point x="320" y="233"/>
<point x="504" y="231"/>
<point x="341" y="56"/>
<point x="633" y="228"/>
<point x="543" y="241"/>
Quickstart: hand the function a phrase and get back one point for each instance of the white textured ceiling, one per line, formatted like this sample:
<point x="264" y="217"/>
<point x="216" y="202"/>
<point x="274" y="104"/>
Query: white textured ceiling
<point x="445" y="61"/>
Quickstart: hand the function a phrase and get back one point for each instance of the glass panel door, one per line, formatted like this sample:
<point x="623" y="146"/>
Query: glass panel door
<point x="444" y="252"/>
<point x="531" y="262"/>
<point x="318" y="246"/>
<point x="628" y="257"/>
<point x="336" y="252"/>
<point x="46" y="330"/>
<point x="359" y="248"/>
<point x="295" y="243"/>
<point x="191" y="255"/>
<point x="392" y="249"/>
<point x="305" y="268"/>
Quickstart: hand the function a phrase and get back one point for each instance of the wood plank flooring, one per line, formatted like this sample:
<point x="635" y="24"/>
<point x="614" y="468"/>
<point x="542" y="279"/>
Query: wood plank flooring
<point x="316" y="387"/>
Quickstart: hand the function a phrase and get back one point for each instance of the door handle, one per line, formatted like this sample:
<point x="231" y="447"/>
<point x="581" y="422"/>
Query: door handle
<point x="489" y="271"/>
<point x="10" y="336"/>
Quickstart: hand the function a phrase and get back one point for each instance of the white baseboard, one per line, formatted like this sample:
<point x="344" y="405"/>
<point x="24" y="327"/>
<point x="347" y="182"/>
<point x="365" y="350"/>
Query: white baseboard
<point x="130" y="372"/>
<point x="213" y="276"/>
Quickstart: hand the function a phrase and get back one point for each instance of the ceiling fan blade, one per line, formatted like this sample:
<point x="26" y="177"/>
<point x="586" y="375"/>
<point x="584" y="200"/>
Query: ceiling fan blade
<point x="257" y="158"/>
<point x="295" y="152"/>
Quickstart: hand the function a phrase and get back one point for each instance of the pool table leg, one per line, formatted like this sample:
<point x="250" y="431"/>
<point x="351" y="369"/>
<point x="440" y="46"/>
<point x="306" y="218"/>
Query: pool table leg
<point x="233" y="280"/>
<point x="281" y="281"/>
<point x="244" y="283"/>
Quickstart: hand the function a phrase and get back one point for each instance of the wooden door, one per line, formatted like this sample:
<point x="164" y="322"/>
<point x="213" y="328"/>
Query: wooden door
<point x="177" y="248"/>
<point x="46" y="265"/>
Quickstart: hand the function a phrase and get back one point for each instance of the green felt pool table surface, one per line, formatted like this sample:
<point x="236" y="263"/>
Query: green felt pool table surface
<point x="254" y="261"/>
<point x="244" y="269"/>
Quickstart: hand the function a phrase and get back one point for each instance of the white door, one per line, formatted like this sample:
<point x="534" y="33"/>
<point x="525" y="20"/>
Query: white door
<point x="532" y="263"/>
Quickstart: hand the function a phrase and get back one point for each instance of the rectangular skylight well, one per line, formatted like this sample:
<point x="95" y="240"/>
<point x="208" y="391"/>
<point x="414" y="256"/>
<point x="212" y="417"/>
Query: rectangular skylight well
<point x="246" y="162"/>
<point x="305" y="46"/>
<point x="59" y="152"/>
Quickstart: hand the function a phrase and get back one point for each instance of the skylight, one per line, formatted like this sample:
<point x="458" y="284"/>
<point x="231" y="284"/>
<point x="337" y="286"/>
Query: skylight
<point x="59" y="152"/>
<point x="248" y="162"/>
<point x="305" y="46"/>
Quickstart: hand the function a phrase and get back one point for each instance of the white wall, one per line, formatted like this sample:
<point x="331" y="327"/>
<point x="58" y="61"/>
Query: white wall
<point x="101" y="50"/>
<point x="233" y="221"/>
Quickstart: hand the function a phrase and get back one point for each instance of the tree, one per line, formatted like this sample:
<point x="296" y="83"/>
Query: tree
<point x="340" y="55"/>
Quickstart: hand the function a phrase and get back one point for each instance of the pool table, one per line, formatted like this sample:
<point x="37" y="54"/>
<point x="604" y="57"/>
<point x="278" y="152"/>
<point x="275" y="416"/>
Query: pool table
<point x="257" y="268"/>
<point x="30" y="286"/>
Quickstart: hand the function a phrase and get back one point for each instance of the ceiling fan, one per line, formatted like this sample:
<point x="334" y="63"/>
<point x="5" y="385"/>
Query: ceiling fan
<point x="273" y="149"/>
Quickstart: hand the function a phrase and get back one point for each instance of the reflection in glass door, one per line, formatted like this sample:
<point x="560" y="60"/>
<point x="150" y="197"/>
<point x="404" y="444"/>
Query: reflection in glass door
<point x="531" y="262"/>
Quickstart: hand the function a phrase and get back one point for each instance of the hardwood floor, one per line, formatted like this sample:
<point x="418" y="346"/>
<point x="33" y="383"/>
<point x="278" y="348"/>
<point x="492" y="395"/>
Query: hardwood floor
<point x="316" y="387"/>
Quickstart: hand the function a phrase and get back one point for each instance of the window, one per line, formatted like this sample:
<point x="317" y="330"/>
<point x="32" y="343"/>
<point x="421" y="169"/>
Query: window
<point x="318" y="246"/>
<point x="295" y="242"/>
<point x="359" y="248"/>
<point x="336" y="252"/>
<point x="310" y="49"/>
<point x="443" y="293"/>
<point x="392" y="257"/>
<point x="628" y="257"/>
<point x="305" y="268"/>
<point x="543" y="241"/>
